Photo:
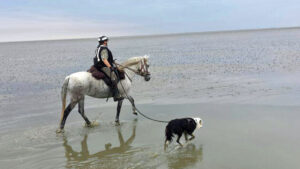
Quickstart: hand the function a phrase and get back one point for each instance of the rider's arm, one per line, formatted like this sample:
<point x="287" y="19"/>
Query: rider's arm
<point x="104" y="56"/>
<point x="106" y="63"/>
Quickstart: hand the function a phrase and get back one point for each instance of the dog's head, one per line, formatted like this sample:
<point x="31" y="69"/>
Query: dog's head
<point x="199" y="122"/>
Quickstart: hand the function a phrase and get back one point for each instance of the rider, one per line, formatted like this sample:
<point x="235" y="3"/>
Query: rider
<point x="104" y="62"/>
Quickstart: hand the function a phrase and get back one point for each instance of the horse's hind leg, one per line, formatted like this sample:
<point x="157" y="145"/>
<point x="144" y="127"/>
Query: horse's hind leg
<point x="118" y="111"/>
<point x="66" y="114"/>
<point x="133" y="105"/>
<point x="81" y="112"/>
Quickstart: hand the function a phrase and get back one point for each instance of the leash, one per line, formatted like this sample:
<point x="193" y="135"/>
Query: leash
<point x="161" y="121"/>
<point x="147" y="117"/>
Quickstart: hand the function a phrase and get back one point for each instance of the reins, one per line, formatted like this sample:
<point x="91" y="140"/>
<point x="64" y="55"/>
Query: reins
<point x="126" y="67"/>
<point x="161" y="121"/>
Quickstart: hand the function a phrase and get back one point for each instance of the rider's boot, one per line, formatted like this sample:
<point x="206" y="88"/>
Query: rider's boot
<point x="116" y="93"/>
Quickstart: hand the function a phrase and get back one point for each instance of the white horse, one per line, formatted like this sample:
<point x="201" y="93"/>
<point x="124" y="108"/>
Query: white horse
<point x="82" y="83"/>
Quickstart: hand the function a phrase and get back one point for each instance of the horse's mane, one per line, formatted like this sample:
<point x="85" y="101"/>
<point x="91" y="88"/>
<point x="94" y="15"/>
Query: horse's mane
<point x="134" y="60"/>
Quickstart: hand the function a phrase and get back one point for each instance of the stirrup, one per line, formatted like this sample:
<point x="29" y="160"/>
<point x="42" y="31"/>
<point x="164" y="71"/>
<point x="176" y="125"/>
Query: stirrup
<point x="118" y="98"/>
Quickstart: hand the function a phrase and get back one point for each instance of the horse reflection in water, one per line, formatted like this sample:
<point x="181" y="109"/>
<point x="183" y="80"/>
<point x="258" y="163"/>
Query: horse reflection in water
<point x="105" y="158"/>
<point x="127" y="156"/>
<point x="185" y="157"/>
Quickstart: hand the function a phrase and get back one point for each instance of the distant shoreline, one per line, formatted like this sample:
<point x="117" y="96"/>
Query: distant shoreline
<point x="157" y="35"/>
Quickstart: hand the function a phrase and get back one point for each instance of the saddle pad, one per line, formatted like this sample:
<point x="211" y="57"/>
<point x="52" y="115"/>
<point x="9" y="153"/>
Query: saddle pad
<point x="100" y="75"/>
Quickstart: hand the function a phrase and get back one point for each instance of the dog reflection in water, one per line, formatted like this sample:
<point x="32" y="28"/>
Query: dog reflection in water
<point x="75" y="158"/>
<point x="187" y="157"/>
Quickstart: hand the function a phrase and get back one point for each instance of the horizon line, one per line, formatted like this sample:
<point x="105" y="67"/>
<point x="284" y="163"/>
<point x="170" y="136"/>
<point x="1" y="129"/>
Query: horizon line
<point x="156" y="35"/>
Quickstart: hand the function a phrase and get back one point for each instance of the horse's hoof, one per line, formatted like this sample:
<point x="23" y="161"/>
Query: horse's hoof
<point x="95" y="123"/>
<point x="60" y="130"/>
<point x="92" y="124"/>
<point x="88" y="125"/>
<point x="117" y="122"/>
<point x="135" y="112"/>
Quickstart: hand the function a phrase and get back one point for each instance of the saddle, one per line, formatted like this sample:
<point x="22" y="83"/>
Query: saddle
<point x="101" y="76"/>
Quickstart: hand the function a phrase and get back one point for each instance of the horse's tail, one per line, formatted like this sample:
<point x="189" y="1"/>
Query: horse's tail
<point x="64" y="95"/>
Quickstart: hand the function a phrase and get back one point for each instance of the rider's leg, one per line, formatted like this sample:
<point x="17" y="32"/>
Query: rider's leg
<point x="114" y="82"/>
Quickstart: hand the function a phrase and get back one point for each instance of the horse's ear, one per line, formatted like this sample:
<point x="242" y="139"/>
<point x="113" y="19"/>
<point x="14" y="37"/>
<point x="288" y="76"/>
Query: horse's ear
<point x="146" y="57"/>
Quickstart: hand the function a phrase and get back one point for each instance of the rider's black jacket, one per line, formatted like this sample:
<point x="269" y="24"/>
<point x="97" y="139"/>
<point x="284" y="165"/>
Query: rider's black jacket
<point x="98" y="63"/>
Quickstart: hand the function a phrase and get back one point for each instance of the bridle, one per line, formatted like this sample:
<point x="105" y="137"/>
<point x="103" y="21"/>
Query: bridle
<point x="143" y="71"/>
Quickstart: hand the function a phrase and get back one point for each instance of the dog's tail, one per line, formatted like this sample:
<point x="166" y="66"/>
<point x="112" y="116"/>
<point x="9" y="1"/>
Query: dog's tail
<point x="168" y="133"/>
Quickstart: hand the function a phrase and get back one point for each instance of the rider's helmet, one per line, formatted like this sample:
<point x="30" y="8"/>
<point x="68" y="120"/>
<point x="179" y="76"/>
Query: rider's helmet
<point x="102" y="39"/>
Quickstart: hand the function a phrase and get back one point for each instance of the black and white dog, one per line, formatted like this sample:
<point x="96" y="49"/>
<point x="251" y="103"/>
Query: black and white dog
<point x="184" y="126"/>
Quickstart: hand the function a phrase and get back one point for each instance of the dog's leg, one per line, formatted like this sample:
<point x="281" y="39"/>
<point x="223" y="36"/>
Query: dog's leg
<point x="192" y="137"/>
<point x="166" y="144"/>
<point x="185" y="136"/>
<point x="178" y="138"/>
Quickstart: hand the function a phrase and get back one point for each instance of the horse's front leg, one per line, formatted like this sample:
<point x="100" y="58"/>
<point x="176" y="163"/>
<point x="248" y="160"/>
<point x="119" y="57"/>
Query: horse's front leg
<point x="134" y="111"/>
<point x="120" y="102"/>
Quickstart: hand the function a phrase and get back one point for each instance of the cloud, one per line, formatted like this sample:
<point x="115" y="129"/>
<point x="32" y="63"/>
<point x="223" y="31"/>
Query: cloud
<point x="56" y="19"/>
<point x="41" y="27"/>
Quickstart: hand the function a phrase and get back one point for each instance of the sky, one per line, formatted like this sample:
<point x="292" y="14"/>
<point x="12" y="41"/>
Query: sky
<point x="22" y="20"/>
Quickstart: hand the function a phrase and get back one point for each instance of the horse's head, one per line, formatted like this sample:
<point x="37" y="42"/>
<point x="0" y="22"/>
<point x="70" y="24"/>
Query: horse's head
<point x="138" y="65"/>
<point x="143" y="68"/>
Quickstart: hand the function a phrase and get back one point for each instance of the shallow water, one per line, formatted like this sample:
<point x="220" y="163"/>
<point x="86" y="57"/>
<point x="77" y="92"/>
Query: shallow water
<point x="233" y="136"/>
<point x="244" y="85"/>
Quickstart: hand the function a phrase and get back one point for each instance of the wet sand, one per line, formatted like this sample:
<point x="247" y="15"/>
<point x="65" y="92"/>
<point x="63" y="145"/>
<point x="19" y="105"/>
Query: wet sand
<point x="233" y="136"/>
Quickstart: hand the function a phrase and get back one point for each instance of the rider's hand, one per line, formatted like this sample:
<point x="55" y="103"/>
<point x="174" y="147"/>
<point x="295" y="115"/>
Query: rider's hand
<point x="112" y="68"/>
